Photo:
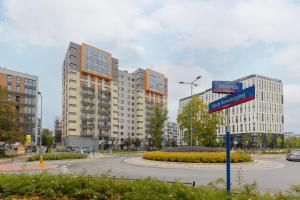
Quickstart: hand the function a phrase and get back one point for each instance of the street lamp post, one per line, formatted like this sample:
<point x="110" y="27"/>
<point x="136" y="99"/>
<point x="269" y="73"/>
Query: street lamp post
<point x="192" y="84"/>
<point x="41" y="120"/>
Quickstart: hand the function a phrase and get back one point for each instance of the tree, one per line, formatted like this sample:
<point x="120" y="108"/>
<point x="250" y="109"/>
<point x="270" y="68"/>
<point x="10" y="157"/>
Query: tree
<point x="269" y="139"/>
<point x="204" y="124"/>
<point x="8" y="126"/>
<point x="221" y="141"/>
<point x="259" y="140"/>
<point x="47" y="138"/>
<point x="157" y="120"/>
<point x="128" y="142"/>
<point x="246" y="139"/>
<point x="278" y="141"/>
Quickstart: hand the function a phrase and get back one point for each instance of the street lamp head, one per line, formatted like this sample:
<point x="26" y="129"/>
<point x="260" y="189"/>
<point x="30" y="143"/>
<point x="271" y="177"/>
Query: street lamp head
<point x="198" y="77"/>
<point x="39" y="93"/>
<point x="195" y="85"/>
<point x="181" y="82"/>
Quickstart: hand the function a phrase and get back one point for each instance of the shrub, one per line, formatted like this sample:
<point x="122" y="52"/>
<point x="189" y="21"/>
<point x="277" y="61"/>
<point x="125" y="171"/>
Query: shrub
<point x="193" y="149"/>
<point x="63" y="186"/>
<point x="197" y="157"/>
<point x="58" y="156"/>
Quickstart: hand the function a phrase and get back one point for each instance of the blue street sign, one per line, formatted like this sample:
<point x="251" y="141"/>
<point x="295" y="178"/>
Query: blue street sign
<point x="243" y="96"/>
<point x="164" y="140"/>
<point x="226" y="87"/>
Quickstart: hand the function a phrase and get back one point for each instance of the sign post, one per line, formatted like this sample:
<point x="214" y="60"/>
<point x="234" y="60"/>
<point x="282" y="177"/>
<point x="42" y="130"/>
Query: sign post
<point x="228" y="178"/>
<point x="236" y="96"/>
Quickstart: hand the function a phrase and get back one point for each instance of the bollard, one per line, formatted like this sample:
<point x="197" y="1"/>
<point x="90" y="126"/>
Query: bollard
<point x="41" y="161"/>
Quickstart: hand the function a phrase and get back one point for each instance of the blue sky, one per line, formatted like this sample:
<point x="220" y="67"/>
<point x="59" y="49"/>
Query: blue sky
<point x="222" y="40"/>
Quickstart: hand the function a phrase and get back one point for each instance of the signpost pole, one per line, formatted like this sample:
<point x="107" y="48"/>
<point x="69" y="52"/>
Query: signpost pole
<point x="228" y="181"/>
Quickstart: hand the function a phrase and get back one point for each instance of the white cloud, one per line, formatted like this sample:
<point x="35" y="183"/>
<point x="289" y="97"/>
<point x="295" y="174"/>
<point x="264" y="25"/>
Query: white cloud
<point x="288" y="57"/>
<point x="56" y="22"/>
<point x="193" y="24"/>
<point x="182" y="72"/>
<point x="221" y="25"/>
<point x="291" y="106"/>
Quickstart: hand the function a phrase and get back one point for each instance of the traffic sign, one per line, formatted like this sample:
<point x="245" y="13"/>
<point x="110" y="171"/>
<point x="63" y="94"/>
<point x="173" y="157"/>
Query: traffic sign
<point x="226" y="87"/>
<point x="243" y="96"/>
<point x="164" y="140"/>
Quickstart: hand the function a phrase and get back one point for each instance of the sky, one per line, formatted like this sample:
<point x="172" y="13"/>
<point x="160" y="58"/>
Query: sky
<point x="219" y="40"/>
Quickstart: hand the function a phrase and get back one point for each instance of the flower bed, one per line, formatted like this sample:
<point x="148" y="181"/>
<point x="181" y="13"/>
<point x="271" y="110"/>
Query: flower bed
<point x="197" y="157"/>
<point x="58" y="156"/>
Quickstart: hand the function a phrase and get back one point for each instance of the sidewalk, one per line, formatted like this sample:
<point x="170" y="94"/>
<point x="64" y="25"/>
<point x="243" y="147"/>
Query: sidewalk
<point x="18" y="164"/>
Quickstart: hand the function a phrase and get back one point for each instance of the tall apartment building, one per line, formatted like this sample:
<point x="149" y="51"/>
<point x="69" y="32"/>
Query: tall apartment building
<point x="102" y="103"/>
<point x="262" y="115"/>
<point x="23" y="89"/>
<point x="88" y="93"/>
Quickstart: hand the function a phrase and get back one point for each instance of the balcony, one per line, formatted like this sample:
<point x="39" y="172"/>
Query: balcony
<point x="105" y="91"/>
<point x="104" y="112"/>
<point x="88" y="95"/>
<point x="85" y="88"/>
<point x="87" y="103"/>
<point x="88" y="126"/>
<point x="88" y="110"/>
<point x="104" y="104"/>
<point x="88" y="119"/>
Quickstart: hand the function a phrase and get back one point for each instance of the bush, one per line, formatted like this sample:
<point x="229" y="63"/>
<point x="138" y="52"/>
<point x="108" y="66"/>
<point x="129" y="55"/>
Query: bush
<point x="58" y="156"/>
<point x="193" y="149"/>
<point x="197" y="157"/>
<point x="63" y="186"/>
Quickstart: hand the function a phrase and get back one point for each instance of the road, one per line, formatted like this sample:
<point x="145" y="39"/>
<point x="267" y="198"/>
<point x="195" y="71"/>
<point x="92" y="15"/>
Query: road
<point x="273" y="180"/>
<point x="268" y="179"/>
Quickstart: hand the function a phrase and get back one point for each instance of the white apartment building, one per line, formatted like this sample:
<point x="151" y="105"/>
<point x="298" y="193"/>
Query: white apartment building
<point x="262" y="115"/>
<point x="171" y="132"/>
<point x="104" y="105"/>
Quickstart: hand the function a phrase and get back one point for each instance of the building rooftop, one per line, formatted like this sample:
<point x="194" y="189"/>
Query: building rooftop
<point x="237" y="80"/>
<point x="16" y="73"/>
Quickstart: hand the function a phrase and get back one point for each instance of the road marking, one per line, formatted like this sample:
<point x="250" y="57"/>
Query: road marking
<point x="64" y="169"/>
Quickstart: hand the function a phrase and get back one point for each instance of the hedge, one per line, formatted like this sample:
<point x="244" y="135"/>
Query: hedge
<point x="197" y="157"/>
<point x="63" y="186"/>
<point x="58" y="156"/>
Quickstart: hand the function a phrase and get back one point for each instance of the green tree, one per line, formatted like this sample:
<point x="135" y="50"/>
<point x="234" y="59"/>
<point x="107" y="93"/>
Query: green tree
<point x="259" y="140"/>
<point x="204" y="124"/>
<point x="47" y="138"/>
<point x="8" y="126"/>
<point x="246" y="139"/>
<point x="269" y="139"/>
<point x="221" y="142"/>
<point x="278" y="141"/>
<point x="157" y="120"/>
<point x="128" y="142"/>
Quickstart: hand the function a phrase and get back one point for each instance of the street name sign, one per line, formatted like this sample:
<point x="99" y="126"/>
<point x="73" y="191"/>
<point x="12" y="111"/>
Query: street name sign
<point x="243" y="96"/>
<point x="226" y="87"/>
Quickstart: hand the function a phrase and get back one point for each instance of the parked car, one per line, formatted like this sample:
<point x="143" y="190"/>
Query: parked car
<point x="294" y="155"/>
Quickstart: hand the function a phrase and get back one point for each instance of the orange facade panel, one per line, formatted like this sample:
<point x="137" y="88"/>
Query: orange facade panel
<point x="3" y="80"/>
<point x="147" y="89"/>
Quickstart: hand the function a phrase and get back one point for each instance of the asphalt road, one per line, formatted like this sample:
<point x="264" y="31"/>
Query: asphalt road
<point x="273" y="180"/>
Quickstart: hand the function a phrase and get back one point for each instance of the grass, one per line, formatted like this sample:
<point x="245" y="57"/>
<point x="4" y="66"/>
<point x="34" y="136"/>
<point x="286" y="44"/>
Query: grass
<point x="58" y="156"/>
<point x="45" y="186"/>
<point x="197" y="157"/>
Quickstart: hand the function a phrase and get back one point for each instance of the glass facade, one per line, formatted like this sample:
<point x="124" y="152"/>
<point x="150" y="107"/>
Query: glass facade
<point x="96" y="61"/>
